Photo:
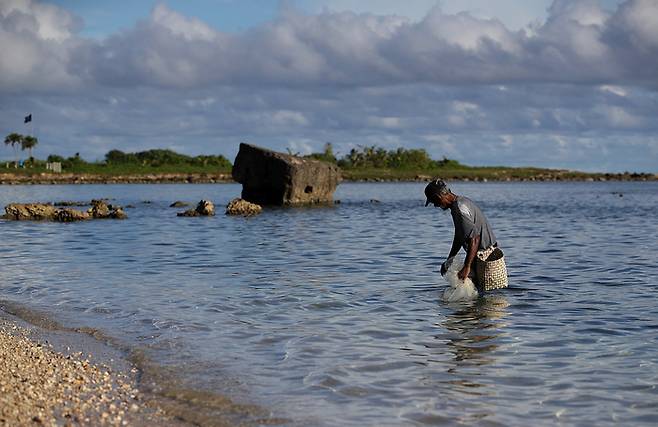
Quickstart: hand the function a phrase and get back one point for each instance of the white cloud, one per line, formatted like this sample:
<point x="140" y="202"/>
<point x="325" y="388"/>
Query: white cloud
<point x="46" y="21"/>
<point x="467" y="32"/>
<point x="300" y="146"/>
<point x="619" y="117"/>
<point x="287" y="118"/>
<point x="459" y="85"/>
<point x="36" y="41"/>
<point x="640" y="19"/>
<point x="188" y="28"/>
<point x="385" y="122"/>
<point x="464" y="107"/>
<point x="616" y="90"/>
<point x="507" y="140"/>
<point x="579" y="42"/>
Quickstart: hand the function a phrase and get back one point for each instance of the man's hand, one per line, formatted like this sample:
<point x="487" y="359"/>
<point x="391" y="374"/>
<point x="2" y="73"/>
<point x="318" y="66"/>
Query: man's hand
<point x="464" y="272"/>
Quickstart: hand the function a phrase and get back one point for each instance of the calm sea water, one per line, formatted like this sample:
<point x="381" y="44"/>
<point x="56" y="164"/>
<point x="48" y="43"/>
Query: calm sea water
<point x="332" y="316"/>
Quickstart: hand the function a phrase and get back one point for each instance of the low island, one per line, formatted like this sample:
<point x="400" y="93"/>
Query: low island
<point x="371" y="164"/>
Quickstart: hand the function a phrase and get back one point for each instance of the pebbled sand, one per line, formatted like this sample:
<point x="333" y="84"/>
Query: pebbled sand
<point x="40" y="386"/>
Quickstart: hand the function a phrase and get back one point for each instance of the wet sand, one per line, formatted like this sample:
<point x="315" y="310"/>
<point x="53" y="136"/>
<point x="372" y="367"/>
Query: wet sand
<point x="42" y="386"/>
<point x="45" y="379"/>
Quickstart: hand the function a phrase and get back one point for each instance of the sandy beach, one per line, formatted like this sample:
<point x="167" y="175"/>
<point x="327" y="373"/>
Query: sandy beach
<point x="42" y="386"/>
<point x="57" y="376"/>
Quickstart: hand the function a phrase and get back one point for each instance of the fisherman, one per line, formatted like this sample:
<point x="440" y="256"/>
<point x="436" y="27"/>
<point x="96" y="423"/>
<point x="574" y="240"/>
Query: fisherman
<point x="472" y="230"/>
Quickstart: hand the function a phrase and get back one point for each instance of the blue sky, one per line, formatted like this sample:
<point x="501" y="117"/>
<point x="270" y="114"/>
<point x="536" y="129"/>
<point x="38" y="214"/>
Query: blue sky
<point x="564" y="84"/>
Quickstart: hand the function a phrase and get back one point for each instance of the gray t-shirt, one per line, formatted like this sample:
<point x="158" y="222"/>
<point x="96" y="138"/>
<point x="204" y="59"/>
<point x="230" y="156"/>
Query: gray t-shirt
<point x="469" y="222"/>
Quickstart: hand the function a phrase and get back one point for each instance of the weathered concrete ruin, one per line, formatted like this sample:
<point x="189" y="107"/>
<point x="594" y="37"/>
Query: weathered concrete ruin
<point x="271" y="178"/>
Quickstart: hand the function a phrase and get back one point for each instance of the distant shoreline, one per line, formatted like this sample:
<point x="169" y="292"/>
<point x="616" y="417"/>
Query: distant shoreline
<point x="87" y="178"/>
<point x="348" y="176"/>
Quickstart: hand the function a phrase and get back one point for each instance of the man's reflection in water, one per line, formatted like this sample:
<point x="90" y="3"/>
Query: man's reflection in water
<point x="470" y="333"/>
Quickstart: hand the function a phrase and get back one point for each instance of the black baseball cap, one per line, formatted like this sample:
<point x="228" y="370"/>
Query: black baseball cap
<point x="437" y="186"/>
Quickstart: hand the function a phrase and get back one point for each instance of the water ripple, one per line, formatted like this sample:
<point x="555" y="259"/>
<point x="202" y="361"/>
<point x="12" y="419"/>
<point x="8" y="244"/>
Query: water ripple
<point x="333" y="315"/>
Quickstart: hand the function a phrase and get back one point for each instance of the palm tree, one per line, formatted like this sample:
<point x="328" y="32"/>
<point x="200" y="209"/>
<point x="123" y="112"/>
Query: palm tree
<point x="14" y="139"/>
<point x="29" y="142"/>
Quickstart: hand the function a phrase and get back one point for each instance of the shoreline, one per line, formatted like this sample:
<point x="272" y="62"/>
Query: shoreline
<point x="45" y="379"/>
<point x="226" y="178"/>
<point x="84" y="178"/>
<point x="54" y="375"/>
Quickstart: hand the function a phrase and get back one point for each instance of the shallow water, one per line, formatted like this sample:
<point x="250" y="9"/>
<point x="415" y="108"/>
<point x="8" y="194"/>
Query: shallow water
<point x="332" y="316"/>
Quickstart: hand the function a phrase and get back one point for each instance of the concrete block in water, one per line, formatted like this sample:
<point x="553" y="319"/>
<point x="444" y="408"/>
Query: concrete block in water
<point x="271" y="178"/>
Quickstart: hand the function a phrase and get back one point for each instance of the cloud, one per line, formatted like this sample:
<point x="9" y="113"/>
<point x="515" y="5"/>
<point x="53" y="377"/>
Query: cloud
<point x="565" y="92"/>
<point x="37" y="42"/>
<point x="578" y="43"/>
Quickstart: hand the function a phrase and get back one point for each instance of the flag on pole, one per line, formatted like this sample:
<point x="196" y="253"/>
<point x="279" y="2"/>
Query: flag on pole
<point x="28" y="118"/>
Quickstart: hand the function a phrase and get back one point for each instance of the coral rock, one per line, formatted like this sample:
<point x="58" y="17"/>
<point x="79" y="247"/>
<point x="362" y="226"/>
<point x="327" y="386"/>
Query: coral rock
<point x="203" y="208"/>
<point x="242" y="207"/>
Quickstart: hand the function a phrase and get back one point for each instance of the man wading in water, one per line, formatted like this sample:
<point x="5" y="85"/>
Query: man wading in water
<point x="472" y="230"/>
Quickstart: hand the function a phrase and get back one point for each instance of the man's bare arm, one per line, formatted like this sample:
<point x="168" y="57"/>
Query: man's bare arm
<point x="453" y="251"/>
<point x="455" y="247"/>
<point x="473" y="245"/>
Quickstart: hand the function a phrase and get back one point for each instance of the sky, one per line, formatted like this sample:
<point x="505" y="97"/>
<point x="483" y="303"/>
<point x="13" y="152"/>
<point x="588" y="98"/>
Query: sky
<point x="569" y="84"/>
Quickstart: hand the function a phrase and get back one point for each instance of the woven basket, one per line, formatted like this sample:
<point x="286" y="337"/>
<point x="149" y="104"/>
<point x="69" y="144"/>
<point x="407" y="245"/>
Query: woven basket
<point x="492" y="272"/>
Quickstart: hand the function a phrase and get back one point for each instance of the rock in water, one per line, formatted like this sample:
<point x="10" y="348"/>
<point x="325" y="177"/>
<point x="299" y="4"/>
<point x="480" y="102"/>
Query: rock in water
<point x="42" y="212"/>
<point x="100" y="209"/>
<point x="30" y="211"/>
<point x="271" y="178"/>
<point x="242" y="207"/>
<point x="47" y="212"/>
<point x="70" y="215"/>
<point x="203" y="208"/>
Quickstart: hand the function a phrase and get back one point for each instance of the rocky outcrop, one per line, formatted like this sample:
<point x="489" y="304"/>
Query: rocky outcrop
<point x="42" y="212"/>
<point x="178" y="204"/>
<point x="203" y="208"/>
<point x="48" y="212"/>
<point x="69" y="203"/>
<point x="243" y="207"/>
<point x="70" y="215"/>
<point x="101" y="210"/>
<point x="271" y="178"/>
<point x="30" y="211"/>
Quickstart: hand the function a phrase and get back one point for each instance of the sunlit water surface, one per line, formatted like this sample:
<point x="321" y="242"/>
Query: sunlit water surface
<point x="332" y="316"/>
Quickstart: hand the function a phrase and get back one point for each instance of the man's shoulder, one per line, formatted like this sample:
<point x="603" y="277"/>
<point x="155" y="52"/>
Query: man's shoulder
<point x="465" y="207"/>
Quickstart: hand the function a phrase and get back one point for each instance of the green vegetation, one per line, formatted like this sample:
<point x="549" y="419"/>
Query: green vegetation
<point x="366" y="163"/>
<point x="26" y="142"/>
<point x="374" y="164"/>
<point x="374" y="158"/>
<point x="141" y="163"/>
<point x="157" y="158"/>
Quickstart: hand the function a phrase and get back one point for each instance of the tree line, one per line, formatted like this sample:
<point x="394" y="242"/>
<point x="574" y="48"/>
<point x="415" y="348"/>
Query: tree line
<point x="363" y="157"/>
<point x="373" y="157"/>
<point x="151" y="158"/>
